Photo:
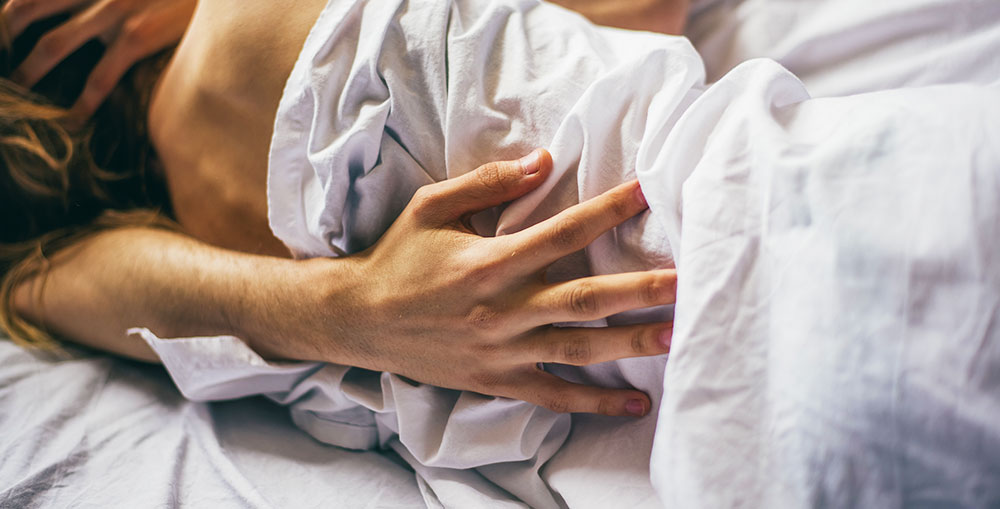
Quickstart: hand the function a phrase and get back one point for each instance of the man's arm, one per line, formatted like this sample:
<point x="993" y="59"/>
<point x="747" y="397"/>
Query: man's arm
<point x="431" y="300"/>
<point x="170" y="283"/>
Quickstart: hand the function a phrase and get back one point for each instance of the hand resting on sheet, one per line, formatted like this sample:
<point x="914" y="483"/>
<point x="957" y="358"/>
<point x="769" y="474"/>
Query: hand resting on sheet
<point x="483" y="304"/>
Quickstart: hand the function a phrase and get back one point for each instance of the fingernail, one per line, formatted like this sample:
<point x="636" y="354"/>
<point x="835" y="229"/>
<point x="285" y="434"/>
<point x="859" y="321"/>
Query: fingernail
<point x="635" y="407"/>
<point x="532" y="162"/>
<point x="642" y="197"/>
<point x="665" y="338"/>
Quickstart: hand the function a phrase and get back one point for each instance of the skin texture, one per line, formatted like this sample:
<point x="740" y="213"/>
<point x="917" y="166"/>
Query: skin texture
<point x="131" y="29"/>
<point x="429" y="296"/>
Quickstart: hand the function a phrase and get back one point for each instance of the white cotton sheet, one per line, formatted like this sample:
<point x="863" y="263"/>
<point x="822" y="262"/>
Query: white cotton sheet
<point x="367" y="117"/>
<point x="88" y="430"/>
<point x="836" y="342"/>
<point x="97" y="431"/>
<point x="429" y="92"/>
<point x="844" y="47"/>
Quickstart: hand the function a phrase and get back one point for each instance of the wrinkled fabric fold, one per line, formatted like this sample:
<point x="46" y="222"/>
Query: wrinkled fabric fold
<point x="794" y="223"/>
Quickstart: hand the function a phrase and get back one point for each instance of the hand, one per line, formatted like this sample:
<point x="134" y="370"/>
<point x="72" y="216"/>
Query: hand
<point x="131" y="29"/>
<point x="437" y="303"/>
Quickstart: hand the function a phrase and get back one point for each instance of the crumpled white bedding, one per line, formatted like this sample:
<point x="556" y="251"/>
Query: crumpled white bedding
<point x="380" y="104"/>
<point x="369" y="115"/>
<point x="949" y="41"/>
<point x="836" y="342"/>
<point x="89" y="430"/>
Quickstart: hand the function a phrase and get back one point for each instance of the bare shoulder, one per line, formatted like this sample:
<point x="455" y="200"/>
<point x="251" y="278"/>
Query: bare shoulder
<point x="212" y="113"/>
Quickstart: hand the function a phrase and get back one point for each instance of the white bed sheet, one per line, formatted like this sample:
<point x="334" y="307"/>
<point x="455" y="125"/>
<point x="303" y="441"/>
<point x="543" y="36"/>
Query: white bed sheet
<point x="88" y="430"/>
<point x="96" y="431"/>
<point x="844" y="47"/>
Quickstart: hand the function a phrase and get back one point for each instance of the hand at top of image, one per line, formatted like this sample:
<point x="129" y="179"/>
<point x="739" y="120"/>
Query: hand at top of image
<point x="131" y="30"/>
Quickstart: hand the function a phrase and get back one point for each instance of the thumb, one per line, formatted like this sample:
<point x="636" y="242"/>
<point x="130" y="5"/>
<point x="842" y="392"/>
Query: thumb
<point x="492" y="184"/>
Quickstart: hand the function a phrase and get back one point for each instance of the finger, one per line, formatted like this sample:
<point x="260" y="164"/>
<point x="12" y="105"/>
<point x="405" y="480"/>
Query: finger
<point x="576" y="227"/>
<point x="139" y="38"/>
<point x="549" y="391"/>
<point x="596" y="297"/>
<point x="103" y="79"/>
<point x="59" y="43"/>
<point x="489" y="185"/>
<point x="582" y="346"/>
<point x="19" y="14"/>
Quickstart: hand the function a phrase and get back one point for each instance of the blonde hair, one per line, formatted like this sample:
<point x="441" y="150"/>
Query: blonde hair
<point x="61" y="182"/>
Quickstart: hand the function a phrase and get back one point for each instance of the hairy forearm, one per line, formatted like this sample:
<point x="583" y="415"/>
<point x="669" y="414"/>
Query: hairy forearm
<point x="175" y="286"/>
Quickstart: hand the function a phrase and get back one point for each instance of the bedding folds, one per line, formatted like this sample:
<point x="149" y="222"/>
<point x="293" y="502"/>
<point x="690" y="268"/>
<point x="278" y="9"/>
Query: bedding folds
<point x="363" y="123"/>
<point x="87" y="430"/>
<point x="831" y="252"/>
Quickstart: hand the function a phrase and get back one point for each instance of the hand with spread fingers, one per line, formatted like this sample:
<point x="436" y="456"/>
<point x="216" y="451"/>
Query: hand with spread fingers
<point x="131" y="30"/>
<point x="478" y="311"/>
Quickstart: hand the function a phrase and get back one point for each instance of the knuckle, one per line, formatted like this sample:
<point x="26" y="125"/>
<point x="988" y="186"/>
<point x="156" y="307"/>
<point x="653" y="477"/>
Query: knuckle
<point x="481" y="274"/>
<point x="134" y="33"/>
<point x="568" y="233"/>
<point x="577" y="351"/>
<point x="641" y="338"/>
<point x="606" y="406"/>
<point x="650" y="293"/>
<point x="582" y="299"/>
<point x="51" y="45"/>
<point x="491" y="178"/>
<point x="484" y="318"/>
<point x="657" y="290"/>
<point x="557" y="404"/>
<point x="424" y="202"/>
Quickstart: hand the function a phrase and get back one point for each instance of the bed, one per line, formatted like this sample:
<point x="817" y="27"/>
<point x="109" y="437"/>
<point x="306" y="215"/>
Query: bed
<point x="87" y="430"/>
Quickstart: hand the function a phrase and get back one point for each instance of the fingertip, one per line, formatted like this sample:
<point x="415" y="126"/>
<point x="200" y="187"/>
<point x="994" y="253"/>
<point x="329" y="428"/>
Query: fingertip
<point x="536" y="161"/>
<point x="636" y="406"/>
<point x="640" y="196"/>
<point x="665" y="338"/>
<point x="531" y="163"/>
<point x="545" y="158"/>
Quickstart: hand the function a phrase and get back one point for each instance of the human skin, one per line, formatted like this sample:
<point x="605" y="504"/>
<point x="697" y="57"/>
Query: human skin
<point x="130" y="29"/>
<point x="430" y="295"/>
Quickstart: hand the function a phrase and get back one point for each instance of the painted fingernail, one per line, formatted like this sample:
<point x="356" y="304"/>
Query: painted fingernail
<point x="532" y="162"/>
<point x="635" y="407"/>
<point x="642" y="197"/>
<point x="665" y="338"/>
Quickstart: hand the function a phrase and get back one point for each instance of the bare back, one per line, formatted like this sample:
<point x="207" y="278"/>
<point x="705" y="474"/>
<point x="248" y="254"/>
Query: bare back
<point x="212" y="114"/>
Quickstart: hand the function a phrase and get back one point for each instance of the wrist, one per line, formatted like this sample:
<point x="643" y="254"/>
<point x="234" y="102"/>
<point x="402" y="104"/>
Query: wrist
<point x="295" y="309"/>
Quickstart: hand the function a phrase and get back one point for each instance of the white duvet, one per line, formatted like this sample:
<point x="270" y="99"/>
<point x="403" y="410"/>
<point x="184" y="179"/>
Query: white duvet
<point x="835" y="337"/>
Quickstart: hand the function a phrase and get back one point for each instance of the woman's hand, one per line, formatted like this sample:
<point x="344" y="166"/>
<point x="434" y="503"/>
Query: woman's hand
<point x="437" y="303"/>
<point x="131" y="30"/>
